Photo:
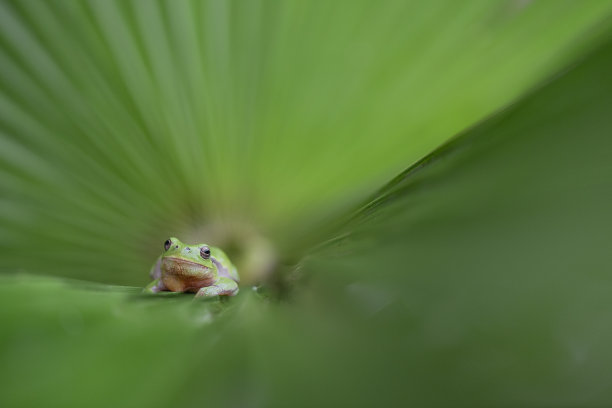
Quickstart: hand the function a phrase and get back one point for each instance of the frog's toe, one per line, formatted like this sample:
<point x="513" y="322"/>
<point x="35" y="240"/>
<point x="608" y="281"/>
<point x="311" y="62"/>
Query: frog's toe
<point x="222" y="288"/>
<point x="154" y="287"/>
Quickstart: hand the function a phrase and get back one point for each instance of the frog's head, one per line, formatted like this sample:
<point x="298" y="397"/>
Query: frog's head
<point x="183" y="259"/>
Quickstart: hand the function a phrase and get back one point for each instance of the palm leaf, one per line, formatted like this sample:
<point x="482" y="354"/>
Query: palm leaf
<point x="476" y="277"/>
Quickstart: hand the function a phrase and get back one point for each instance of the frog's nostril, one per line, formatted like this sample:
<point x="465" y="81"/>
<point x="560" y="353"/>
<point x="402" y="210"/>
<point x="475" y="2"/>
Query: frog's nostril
<point x="188" y="249"/>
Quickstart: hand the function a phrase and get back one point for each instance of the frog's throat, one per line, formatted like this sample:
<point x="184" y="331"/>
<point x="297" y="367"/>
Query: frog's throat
<point x="182" y="266"/>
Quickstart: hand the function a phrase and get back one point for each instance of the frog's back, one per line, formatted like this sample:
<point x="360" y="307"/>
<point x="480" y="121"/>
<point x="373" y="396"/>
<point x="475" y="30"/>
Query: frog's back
<point x="227" y="268"/>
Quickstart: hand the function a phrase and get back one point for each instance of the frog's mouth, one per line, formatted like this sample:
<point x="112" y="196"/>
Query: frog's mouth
<point x="178" y="266"/>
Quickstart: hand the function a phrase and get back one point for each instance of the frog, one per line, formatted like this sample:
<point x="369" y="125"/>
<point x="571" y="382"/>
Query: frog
<point x="201" y="269"/>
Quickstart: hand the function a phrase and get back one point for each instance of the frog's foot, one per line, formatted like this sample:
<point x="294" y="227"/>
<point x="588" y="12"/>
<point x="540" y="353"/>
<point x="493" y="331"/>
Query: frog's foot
<point x="223" y="287"/>
<point x="156" y="286"/>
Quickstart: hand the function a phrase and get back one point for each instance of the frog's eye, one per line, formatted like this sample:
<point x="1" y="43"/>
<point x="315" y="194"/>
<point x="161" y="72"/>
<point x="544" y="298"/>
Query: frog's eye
<point x="205" y="252"/>
<point x="167" y="244"/>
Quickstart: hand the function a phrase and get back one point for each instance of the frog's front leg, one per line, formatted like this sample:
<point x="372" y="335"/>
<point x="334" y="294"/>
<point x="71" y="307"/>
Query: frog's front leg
<point x="155" y="272"/>
<point x="223" y="287"/>
<point x="156" y="286"/>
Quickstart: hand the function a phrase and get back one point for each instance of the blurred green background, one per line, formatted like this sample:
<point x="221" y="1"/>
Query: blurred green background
<point x="421" y="190"/>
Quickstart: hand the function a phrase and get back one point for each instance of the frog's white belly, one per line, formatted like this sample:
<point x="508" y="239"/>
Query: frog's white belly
<point x="222" y="270"/>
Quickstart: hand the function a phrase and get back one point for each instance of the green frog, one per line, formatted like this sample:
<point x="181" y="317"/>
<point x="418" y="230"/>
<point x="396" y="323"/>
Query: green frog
<point x="201" y="269"/>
